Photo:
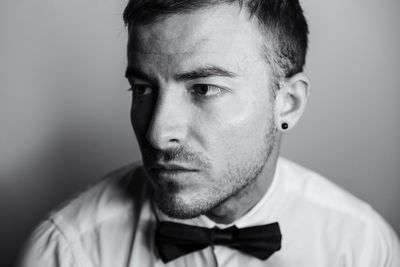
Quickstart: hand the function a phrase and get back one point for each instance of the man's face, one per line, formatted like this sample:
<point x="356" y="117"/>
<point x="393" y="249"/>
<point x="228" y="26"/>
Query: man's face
<point x="202" y="107"/>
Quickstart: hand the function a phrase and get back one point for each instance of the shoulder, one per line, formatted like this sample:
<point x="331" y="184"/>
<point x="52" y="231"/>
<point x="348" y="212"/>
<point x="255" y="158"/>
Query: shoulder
<point x="111" y="203"/>
<point x="110" y="199"/>
<point x="317" y="190"/>
<point x="341" y="216"/>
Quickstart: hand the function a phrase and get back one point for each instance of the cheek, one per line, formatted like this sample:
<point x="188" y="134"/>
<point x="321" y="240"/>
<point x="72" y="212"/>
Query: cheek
<point x="233" y="131"/>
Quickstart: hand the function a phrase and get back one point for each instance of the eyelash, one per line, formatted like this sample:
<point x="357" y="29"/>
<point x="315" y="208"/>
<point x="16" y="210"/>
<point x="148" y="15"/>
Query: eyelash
<point x="141" y="86"/>
<point x="209" y="87"/>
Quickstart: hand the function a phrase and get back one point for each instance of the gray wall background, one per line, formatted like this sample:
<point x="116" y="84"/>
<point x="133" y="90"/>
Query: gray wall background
<point x="64" y="109"/>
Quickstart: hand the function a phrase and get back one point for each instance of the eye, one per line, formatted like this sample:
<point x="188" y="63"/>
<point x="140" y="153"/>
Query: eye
<point x="205" y="90"/>
<point x="141" y="89"/>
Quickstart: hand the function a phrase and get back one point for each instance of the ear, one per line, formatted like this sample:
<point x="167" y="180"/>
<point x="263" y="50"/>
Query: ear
<point x="291" y="100"/>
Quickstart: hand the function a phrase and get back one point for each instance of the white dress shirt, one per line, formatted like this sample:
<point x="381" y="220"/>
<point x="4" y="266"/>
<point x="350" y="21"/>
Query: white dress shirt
<point x="112" y="224"/>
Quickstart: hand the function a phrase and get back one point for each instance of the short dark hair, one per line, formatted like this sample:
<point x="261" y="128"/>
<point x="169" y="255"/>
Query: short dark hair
<point x="282" y="21"/>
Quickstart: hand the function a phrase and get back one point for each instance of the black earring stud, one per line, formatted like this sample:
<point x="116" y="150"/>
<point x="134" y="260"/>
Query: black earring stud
<point x="285" y="126"/>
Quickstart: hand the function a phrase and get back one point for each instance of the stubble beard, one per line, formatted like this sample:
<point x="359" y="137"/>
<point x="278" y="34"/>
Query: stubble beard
<point x="238" y="176"/>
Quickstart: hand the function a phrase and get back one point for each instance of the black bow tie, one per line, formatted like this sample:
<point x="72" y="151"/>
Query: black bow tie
<point x="174" y="239"/>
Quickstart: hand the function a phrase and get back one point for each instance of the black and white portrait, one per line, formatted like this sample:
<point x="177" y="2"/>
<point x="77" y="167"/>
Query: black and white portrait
<point x="199" y="133"/>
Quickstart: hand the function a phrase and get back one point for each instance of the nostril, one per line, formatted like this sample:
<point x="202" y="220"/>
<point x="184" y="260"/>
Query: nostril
<point x="164" y="135"/>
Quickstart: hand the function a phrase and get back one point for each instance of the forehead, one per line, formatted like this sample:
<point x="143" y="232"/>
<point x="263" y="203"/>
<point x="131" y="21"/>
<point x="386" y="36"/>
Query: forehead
<point x="223" y="34"/>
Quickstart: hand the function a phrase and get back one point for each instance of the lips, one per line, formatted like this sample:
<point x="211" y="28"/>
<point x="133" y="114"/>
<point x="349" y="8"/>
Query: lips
<point x="171" y="167"/>
<point x="171" y="171"/>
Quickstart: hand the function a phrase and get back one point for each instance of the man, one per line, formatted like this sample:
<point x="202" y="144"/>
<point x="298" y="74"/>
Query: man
<point x="214" y="85"/>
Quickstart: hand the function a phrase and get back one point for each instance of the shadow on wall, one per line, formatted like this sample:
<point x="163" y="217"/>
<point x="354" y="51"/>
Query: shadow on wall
<point x="63" y="107"/>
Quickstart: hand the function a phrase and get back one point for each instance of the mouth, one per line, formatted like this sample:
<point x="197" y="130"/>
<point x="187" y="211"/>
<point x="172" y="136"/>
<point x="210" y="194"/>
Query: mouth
<point x="171" y="169"/>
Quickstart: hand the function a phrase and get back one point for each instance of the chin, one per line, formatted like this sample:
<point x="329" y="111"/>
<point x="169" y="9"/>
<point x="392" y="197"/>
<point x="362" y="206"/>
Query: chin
<point x="185" y="206"/>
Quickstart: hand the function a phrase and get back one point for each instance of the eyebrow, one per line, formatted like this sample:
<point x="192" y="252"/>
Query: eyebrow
<point x="136" y="73"/>
<point x="202" y="72"/>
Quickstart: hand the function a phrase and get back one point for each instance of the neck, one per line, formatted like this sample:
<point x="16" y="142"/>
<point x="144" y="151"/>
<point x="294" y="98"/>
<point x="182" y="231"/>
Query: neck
<point x="240" y="203"/>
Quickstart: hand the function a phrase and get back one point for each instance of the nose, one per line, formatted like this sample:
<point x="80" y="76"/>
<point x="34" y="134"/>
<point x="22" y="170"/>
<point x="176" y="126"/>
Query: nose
<point x="169" y="124"/>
